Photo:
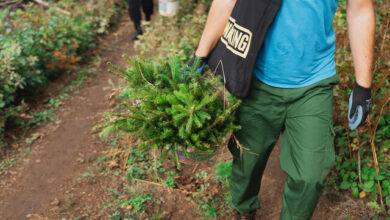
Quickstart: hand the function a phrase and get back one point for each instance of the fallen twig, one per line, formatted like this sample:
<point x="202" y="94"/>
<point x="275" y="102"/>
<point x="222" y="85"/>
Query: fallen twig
<point x="150" y="182"/>
<point x="48" y="5"/>
<point x="161" y="185"/>
<point x="196" y="167"/>
<point x="2" y="4"/>
<point x="359" y="160"/>
<point x="372" y="133"/>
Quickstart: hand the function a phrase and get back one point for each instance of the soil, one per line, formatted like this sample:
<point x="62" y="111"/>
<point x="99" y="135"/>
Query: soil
<point x="60" y="178"/>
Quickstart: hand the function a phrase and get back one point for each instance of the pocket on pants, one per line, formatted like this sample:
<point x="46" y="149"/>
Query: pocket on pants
<point x="330" y="139"/>
<point x="329" y="152"/>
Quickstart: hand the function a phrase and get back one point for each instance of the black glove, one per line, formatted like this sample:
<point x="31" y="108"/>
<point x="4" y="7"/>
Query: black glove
<point x="359" y="106"/>
<point x="200" y="63"/>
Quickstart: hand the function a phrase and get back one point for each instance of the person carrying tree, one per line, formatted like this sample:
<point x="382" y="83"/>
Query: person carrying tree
<point x="135" y="14"/>
<point x="291" y="93"/>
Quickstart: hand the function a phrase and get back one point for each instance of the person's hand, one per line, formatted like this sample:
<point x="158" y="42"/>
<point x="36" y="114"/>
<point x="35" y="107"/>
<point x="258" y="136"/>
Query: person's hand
<point x="196" y="65"/>
<point x="359" y="106"/>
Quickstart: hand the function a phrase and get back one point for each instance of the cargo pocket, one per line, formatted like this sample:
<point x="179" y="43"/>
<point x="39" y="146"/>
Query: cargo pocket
<point x="329" y="153"/>
<point x="331" y="136"/>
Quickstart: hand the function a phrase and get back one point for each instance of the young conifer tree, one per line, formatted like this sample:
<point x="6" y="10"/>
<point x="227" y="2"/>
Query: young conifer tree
<point x="173" y="109"/>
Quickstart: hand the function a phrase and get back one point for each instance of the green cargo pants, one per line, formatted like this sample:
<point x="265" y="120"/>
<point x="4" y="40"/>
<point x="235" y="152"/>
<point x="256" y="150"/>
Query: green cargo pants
<point x="304" y="117"/>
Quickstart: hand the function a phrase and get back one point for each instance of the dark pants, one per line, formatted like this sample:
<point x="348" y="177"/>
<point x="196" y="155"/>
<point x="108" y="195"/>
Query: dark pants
<point x="135" y="10"/>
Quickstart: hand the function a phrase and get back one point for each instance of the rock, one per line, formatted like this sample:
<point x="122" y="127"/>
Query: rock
<point x="55" y="202"/>
<point x="35" y="217"/>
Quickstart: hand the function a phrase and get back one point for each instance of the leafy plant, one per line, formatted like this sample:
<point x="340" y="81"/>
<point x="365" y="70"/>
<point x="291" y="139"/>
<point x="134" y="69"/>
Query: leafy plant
<point x="7" y="163"/>
<point x="169" y="182"/>
<point x="173" y="37"/>
<point x="37" y="45"/>
<point x="207" y="208"/>
<point x="362" y="161"/>
<point x="201" y="175"/>
<point x="115" y="216"/>
<point x="224" y="170"/>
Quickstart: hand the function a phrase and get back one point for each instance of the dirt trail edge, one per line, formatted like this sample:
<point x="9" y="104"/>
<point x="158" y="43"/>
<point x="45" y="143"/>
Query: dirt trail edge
<point x="55" y="158"/>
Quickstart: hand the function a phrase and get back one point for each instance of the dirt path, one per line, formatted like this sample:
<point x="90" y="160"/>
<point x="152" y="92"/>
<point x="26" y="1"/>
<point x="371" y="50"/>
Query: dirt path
<point x="55" y="160"/>
<point x="48" y="182"/>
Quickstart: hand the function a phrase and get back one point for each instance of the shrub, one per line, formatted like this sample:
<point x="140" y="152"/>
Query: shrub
<point x="359" y="151"/>
<point x="38" y="44"/>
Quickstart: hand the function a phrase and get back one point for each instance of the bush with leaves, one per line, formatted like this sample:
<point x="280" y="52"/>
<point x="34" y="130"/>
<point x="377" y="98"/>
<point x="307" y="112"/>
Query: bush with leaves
<point x="177" y="36"/>
<point x="173" y="109"/>
<point x="38" y="44"/>
<point x="363" y="156"/>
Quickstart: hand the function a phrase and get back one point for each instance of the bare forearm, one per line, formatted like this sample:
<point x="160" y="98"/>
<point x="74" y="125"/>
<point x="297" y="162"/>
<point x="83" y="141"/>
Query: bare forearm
<point x="217" y="19"/>
<point x="361" y="31"/>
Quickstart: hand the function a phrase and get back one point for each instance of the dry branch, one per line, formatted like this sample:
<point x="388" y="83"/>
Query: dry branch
<point x="165" y="187"/>
<point x="48" y="6"/>
<point x="2" y="4"/>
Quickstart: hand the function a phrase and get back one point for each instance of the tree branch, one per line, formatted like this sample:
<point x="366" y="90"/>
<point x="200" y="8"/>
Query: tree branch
<point x="2" y="4"/>
<point x="48" y="5"/>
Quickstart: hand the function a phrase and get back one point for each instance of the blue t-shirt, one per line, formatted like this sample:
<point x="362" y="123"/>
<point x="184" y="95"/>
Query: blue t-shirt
<point x="299" y="47"/>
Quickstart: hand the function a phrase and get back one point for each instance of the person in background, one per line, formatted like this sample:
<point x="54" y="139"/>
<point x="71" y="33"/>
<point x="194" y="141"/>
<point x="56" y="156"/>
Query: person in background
<point x="135" y="14"/>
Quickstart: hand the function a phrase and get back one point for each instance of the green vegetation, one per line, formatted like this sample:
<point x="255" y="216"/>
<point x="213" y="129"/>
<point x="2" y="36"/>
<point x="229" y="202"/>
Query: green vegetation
<point x="143" y="174"/>
<point x="171" y="110"/>
<point x="356" y="168"/>
<point x="37" y="45"/>
<point x="223" y="174"/>
<point x="132" y="202"/>
<point x="6" y="163"/>
<point x="129" y="200"/>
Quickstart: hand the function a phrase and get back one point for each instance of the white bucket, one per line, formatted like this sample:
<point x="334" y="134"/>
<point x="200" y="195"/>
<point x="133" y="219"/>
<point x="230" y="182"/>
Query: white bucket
<point x="168" y="7"/>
